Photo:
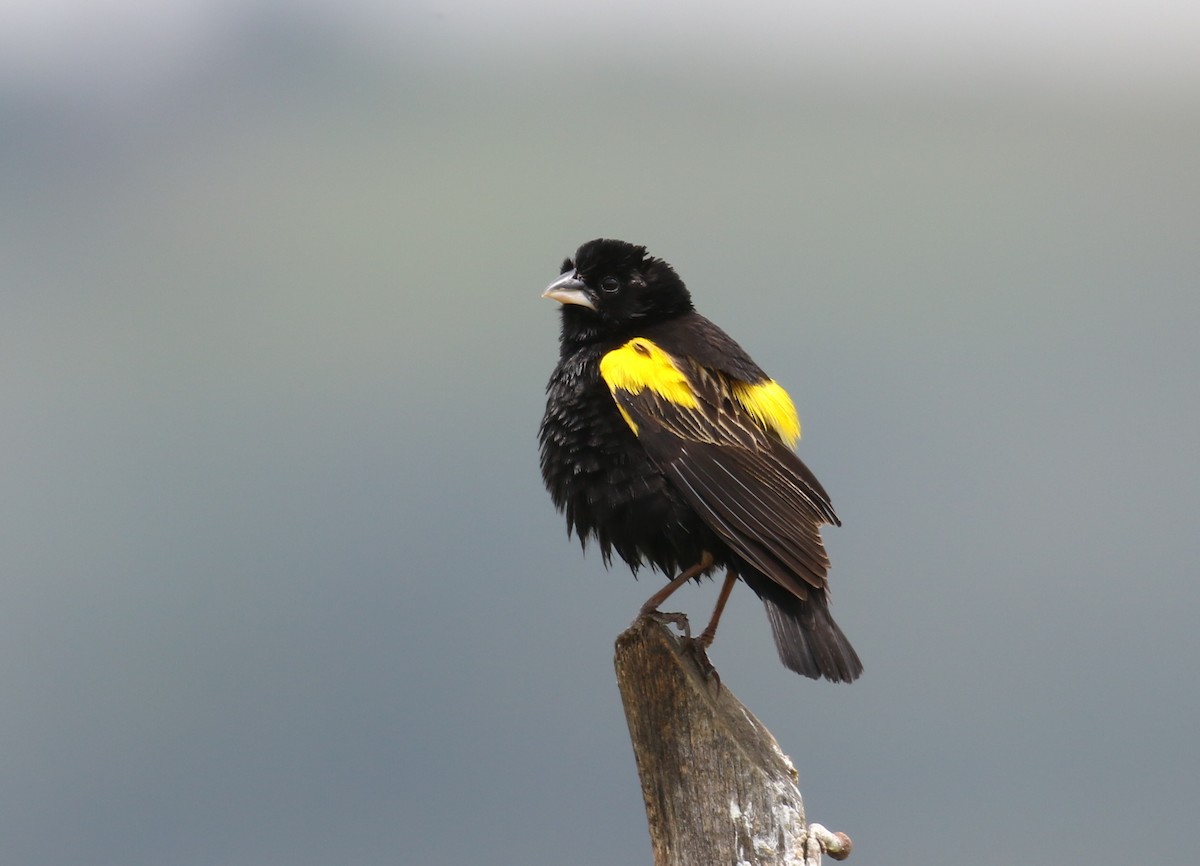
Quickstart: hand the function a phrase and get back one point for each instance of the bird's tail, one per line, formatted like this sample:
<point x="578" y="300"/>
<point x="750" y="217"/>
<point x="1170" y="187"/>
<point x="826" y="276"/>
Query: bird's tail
<point x="808" y="640"/>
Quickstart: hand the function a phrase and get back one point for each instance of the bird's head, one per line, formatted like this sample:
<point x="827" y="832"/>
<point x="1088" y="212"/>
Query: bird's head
<point x="611" y="287"/>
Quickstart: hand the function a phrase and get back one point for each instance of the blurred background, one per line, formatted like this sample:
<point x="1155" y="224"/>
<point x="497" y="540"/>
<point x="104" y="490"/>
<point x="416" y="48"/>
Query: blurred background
<point x="280" y="581"/>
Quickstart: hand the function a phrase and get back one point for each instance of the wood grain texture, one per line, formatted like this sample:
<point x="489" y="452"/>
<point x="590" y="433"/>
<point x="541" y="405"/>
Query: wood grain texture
<point x="717" y="788"/>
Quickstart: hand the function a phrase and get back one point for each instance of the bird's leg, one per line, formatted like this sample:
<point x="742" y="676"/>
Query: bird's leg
<point x="652" y="603"/>
<point x="700" y="645"/>
<point x="710" y="631"/>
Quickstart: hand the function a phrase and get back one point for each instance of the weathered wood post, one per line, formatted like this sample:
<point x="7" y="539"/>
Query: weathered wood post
<point x="718" y="790"/>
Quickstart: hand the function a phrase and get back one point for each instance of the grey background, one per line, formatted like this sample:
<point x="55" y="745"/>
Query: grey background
<point x="280" y="583"/>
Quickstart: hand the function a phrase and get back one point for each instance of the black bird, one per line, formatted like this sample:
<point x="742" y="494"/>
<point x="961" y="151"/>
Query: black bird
<point x="663" y="441"/>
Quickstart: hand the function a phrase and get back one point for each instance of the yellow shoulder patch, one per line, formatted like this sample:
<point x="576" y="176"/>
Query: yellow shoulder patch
<point x="640" y="365"/>
<point x="772" y="406"/>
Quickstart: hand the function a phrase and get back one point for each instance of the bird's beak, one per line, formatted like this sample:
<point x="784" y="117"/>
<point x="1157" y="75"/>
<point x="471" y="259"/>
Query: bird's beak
<point x="569" y="289"/>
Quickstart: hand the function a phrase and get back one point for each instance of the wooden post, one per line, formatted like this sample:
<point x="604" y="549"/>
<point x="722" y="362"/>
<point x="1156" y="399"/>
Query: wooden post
<point x="718" y="790"/>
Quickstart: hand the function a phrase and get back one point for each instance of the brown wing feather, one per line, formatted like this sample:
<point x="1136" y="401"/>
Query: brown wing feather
<point x="751" y="525"/>
<point x="744" y="482"/>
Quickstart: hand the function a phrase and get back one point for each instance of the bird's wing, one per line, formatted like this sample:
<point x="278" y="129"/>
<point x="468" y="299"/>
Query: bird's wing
<point x="724" y="444"/>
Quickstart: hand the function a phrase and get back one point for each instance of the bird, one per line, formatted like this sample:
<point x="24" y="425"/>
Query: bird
<point x="665" y="443"/>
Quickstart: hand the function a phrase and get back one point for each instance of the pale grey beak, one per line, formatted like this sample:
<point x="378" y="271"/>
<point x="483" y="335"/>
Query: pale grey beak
<point x="569" y="289"/>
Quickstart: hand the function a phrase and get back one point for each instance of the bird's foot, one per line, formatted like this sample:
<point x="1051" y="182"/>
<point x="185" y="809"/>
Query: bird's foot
<point x="679" y="620"/>
<point x="697" y="649"/>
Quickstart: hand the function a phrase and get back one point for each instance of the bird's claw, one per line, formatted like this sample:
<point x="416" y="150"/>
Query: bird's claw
<point x="697" y="649"/>
<point x="679" y="620"/>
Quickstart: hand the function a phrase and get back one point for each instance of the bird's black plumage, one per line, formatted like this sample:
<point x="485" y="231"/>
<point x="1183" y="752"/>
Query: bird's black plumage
<point x="665" y="443"/>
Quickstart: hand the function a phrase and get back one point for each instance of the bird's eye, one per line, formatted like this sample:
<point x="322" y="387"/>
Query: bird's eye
<point x="610" y="284"/>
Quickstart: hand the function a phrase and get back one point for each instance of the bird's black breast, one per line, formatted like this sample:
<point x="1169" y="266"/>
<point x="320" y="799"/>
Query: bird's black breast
<point x="600" y="476"/>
